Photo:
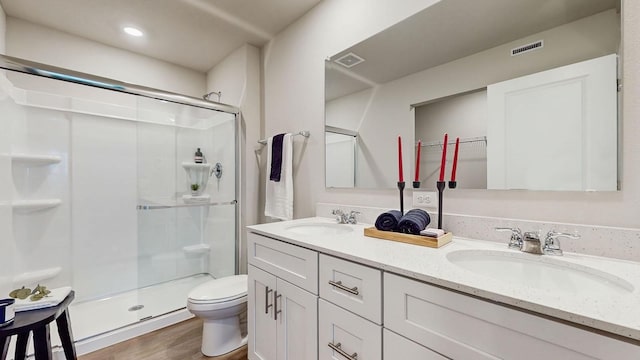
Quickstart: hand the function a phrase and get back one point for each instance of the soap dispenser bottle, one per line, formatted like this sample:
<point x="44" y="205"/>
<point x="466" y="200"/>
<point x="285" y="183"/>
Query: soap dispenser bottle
<point x="197" y="158"/>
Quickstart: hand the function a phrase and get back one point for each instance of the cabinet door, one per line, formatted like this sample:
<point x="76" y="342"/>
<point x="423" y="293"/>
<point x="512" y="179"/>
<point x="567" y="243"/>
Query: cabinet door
<point x="346" y="336"/>
<point x="261" y="325"/>
<point x="297" y="319"/>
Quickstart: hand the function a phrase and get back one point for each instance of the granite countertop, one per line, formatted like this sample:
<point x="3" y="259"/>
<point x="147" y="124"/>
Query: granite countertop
<point x="610" y="308"/>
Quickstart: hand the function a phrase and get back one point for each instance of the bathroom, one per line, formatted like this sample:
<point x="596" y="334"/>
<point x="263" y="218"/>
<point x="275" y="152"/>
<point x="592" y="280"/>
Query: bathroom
<point x="279" y="87"/>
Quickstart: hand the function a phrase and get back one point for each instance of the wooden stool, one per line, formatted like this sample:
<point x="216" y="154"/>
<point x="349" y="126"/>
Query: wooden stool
<point x="38" y="322"/>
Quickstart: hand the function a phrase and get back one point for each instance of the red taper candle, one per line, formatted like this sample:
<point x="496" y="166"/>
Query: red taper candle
<point x="400" y="177"/>
<point x="444" y="157"/>
<point x="418" y="161"/>
<point x="455" y="160"/>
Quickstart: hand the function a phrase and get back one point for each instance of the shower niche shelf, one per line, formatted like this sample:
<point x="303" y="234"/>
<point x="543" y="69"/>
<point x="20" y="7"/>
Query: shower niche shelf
<point x="197" y="178"/>
<point x="199" y="249"/>
<point x="34" y="159"/>
<point x="35" y="205"/>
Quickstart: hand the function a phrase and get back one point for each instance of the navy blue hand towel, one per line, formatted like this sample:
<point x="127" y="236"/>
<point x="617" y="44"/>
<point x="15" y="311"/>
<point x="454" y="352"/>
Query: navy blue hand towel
<point x="388" y="221"/>
<point x="414" y="221"/>
<point x="276" y="158"/>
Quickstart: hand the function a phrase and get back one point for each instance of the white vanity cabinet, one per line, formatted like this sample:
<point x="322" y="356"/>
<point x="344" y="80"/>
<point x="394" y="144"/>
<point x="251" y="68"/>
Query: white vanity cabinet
<point x="331" y="308"/>
<point x="282" y="316"/>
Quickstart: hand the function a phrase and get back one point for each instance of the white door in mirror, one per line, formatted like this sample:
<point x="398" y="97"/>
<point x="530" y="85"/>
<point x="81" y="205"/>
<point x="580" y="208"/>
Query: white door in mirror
<point x="555" y="130"/>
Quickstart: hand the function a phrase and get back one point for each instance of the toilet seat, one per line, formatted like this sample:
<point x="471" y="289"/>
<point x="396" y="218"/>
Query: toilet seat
<point x="222" y="290"/>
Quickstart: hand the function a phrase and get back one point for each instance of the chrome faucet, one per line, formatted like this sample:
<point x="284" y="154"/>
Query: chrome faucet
<point x="552" y="242"/>
<point x="345" y="218"/>
<point x="531" y="243"/>
<point x="516" y="237"/>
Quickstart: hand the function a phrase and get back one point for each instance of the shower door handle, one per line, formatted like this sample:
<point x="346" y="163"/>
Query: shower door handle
<point x="276" y="296"/>
<point x="266" y="299"/>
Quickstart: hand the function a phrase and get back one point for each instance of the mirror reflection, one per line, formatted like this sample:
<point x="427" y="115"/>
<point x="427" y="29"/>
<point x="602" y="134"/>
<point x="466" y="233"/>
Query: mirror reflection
<point x="532" y="97"/>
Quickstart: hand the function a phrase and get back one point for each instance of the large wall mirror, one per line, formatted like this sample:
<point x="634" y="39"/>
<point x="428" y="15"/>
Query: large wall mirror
<point x="529" y="87"/>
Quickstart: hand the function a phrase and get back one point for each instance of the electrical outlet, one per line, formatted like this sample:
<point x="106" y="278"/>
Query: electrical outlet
<point x="425" y="199"/>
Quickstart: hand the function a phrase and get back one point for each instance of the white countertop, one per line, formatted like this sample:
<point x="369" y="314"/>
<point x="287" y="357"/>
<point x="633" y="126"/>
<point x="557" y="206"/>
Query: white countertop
<point x="614" y="312"/>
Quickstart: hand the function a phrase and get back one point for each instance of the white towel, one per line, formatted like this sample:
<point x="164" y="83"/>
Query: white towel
<point x="279" y="195"/>
<point x="54" y="298"/>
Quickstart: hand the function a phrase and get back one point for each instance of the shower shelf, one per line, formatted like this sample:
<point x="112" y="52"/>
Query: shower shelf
<point x="181" y="205"/>
<point x="35" y="160"/>
<point x="199" y="249"/>
<point x="37" y="276"/>
<point x="35" y="205"/>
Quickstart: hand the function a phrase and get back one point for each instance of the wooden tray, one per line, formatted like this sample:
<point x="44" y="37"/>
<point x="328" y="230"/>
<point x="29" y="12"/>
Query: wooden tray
<point x="408" y="238"/>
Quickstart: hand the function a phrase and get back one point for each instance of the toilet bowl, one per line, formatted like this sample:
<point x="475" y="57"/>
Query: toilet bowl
<point x="219" y="304"/>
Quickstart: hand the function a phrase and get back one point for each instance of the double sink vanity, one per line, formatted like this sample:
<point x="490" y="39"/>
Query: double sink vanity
<point x="322" y="290"/>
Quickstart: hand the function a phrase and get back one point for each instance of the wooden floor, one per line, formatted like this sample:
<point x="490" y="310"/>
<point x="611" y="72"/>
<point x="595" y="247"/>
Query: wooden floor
<point x="177" y="342"/>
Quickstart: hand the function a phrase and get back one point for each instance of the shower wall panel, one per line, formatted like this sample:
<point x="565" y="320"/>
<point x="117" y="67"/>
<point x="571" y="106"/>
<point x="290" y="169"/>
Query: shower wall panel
<point x="42" y="237"/>
<point x="9" y="110"/>
<point x="104" y="187"/>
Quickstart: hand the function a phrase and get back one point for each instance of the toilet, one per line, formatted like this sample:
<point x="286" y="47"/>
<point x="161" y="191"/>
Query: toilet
<point x="219" y="303"/>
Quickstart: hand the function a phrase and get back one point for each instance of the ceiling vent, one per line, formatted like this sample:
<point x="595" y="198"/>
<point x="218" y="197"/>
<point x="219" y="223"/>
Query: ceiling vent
<point x="349" y="60"/>
<point x="526" y="48"/>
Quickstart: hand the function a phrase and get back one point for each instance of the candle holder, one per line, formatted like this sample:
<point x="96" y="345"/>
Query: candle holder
<point x="401" y="189"/>
<point x="416" y="184"/>
<point x="441" y="185"/>
<point x="453" y="184"/>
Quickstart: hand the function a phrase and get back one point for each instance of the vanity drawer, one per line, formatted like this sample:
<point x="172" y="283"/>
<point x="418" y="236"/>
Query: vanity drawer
<point x="355" y="287"/>
<point x="357" y="338"/>
<point x="464" y="327"/>
<point x="398" y="347"/>
<point x="294" y="264"/>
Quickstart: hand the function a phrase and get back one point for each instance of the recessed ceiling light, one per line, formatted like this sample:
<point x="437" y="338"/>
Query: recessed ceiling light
<point x="133" y="31"/>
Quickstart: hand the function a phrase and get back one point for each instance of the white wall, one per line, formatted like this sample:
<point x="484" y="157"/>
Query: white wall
<point x="294" y="100"/>
<point x="238" y="77"/>
<point x="3" y="30"/>
<point x="45" y="45"/>
<point x="293" y="66"/>
<point x="463" y="116"/>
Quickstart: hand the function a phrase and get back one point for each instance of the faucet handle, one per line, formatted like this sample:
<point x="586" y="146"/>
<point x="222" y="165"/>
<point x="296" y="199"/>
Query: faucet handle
<point x="516" y="236"/>
<point x="341" y="216"/>
<point x="352" y="217"/>
<point x="552" y="242"/>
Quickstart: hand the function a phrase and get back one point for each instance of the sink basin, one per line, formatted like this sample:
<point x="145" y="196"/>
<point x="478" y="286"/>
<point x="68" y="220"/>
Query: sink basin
<point x="319" y="229"/>
<point x="540" y="272"/>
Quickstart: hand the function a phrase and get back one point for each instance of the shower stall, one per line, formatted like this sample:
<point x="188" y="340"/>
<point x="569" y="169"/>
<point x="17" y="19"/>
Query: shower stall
<point x="99" y="191"/>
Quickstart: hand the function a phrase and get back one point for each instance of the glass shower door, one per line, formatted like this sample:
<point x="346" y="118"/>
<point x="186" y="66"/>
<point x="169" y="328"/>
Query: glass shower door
<point x="187" y="210"/>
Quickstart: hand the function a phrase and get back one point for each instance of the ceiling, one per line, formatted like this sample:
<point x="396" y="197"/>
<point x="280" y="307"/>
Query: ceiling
<point x="196" y="34"/>
<point x="450" y="30"/>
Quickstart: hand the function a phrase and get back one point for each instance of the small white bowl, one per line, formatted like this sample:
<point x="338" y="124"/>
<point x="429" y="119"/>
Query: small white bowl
<point x="7" y="313"/>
